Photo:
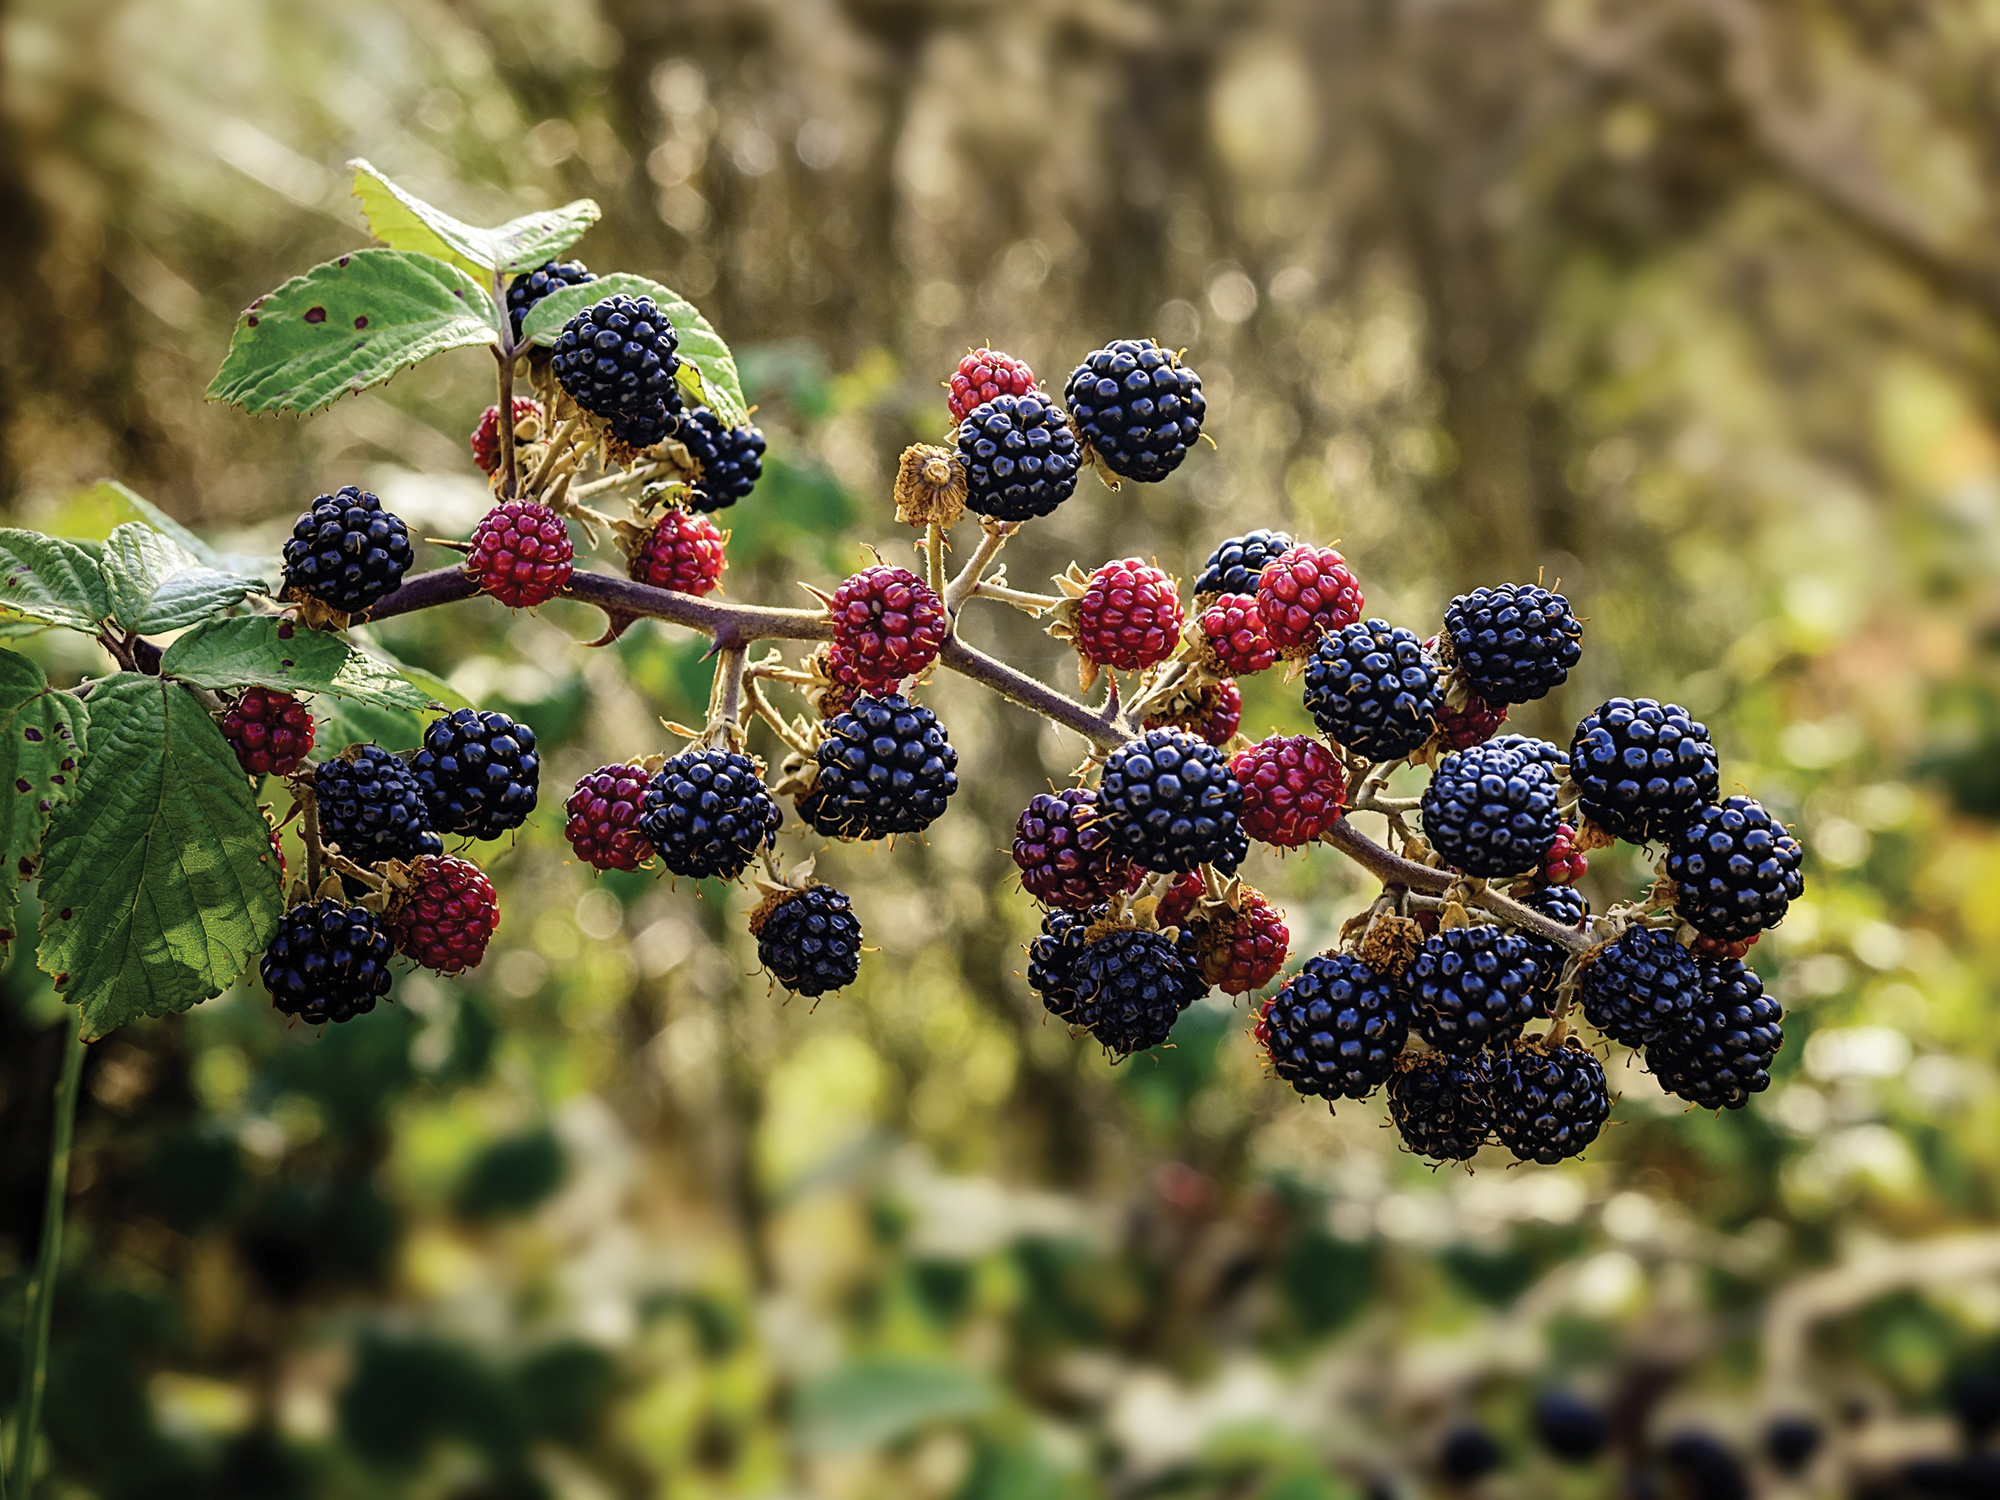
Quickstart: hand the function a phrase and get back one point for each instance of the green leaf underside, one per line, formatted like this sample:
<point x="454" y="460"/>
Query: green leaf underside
<point x="41" y="745"/>
<point x="349" y="324"/>
<point x="157" y="584"/>
<point x="47" y="578"/>
<point x="158" y="882"/>
<point x="266" y="652"/>
<point x="402" y="220"/>
<point x="108" y="504"/>
<point x="878" y="1400"/>
<point x="701" y="347"/>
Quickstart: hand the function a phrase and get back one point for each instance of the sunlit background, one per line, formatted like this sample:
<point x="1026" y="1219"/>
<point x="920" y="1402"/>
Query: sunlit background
<point x="1690" y="304"/>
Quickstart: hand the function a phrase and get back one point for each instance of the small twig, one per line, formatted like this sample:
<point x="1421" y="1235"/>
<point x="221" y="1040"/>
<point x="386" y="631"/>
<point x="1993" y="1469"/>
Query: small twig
<point x="761" y="707"/>
<point x="1035" y="604"/>
<point x="503" y="354"/>
<point x="624" y="477"/>
<point x="934" y="556"/>
<point x="991" y="539"/>
<point x="559" y="446"/>
<point x="309" y="835"/>
<point x="725" y="705"/>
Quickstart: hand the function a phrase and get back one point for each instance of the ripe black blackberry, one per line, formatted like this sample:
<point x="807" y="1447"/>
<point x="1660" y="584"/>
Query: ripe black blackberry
<point x="1471" y="987"/>
<point x="1336" y="1028"/>
<point x="1560" y="903"/>
<point x="1171" y="802"/>
<point x="809" y="940"/>
<point x="1235" y="566"/>
<point x="1438" y="1103"/>
<point x="731" y="458"/>
<point x="1529" y="748"/>
<point x="1721" y="1052"/>
<point x="346" y="552"/>
<point x="1641" y="767"/>
<point x="885" y="766"/>
<point x="619" y="356"/>
<point x="1371" y="687"/>
<point x="1020" y="457"/>
<point x="1131" y="986"/>
<point x="1736" y="869"/>
<point x="1491" y="811"/>
<point x="525" y="290"/>
<point x="707" y="813"/>
<point x="1052" y="959"/>
<point x="328" y="962"/>
<point x="1640" y="986"/>
<point x="1137" y="407"/>
<point x="1512" y="643"/>
<point x="479" y="771"/>
<point x="372" y="807"/>
<point x="1570" y="1428"/>
<point x="645" y="428"/>
<point x="1547" y="1103"/>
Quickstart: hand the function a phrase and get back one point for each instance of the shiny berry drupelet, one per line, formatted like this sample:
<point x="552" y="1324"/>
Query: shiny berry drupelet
<point x="1064" y="854"/>
<point x="1372" y="687"/>
<point x="603" y="818"/>
<point x="888" y="623"/>
<point x="983" y="375"/>
<point x="809" y="940"/>
<point x="1212" y="715"/>
<point x="885" y="767"/>
<point x="521" y="554"/>
<point x="1640" y="986"/>
<point x="730" y="459"/>
<point x="1131" y="986"/>
<point x="1129" y="616"/>
<point x="1304" y="594"/>
<point x="1722" y="1053"/>
<point x="1138" y="408"/>
<point x="1513" y="643"/>
<point x="1471" y="987"/>
<point x="1336" y="1029"/>
<point x="447" y="916"/>
<point x="683" y="553"/>
<point x="1242" y="950"/>
<point x="1292" y="789"/>
<point x="1736" y="870"/>
<point x="619" y="356"/>
<point x="1491" y="811"/>
<point x="1641" y="767"/>
<point x="372" y="807"/>
<point x="1052" y="959"/>
<point x="1438" y="1104"/>
<point x="646" y="428"/>
<point x="1233" y="640"/>
<point x="328" y="962"/>
<point x="707" y="813"/>
<point x="531" y="286"/>
<point x="271" y="732"/>
<point x="1171" y="802"/>
<point x="346" y="552"/>
<point x="486" y="436"/>
<point x="1546" y="1103"/>
<point x="1234" y="567"/>
<point x="1020" y="458"/>
<point x="480" y="773"/>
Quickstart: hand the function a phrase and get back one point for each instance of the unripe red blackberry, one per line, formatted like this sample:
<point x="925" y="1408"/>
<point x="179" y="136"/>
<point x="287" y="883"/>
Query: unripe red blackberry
<point x="1491" y="810"/>
<point x="271" y="732"/>
<point x="1233" y="640"/>
<point x="486" y="436"/>
<point x="888" y="623"/>
<point x="1438" y="1103"/>
<point x="1304" y="594"/>
<point x="683" y="552"/>
<point x="1472" y="987"/>
<point x="1065" y="856"/>
<point x="446" y="917"/>
<point x="1243" y="950"/>
<point x="328" y="962"/>
<point x="836" y="685"/>
<point x="521" y="554"/>
<point x="1213" y="715"/>
<point x="1372" y="687"/>
<point x="1292" y="790"/>
<point x="809" y="940"/>
<point x="1129" y="616"/>
<point x="1641" y="767"/>
<point x="1513" y="643"/>
<point x="1336" y="1029"/>
<point x="1564" y="864"/>
<point x="603" y="818"/>
<point x="1178" y="901"/>
<point x="1735" y="868"/>
<point x="1233" y="567"/>
<point x="1546" y="1103"/>
<point x="1474" y="724"/>
<point x="1721" y="1052"/>
<point x="1639" y="986"/>
<point x="1137" y="407"/>
<point x="1171" y="802"/>
<point x="982" y="375"/>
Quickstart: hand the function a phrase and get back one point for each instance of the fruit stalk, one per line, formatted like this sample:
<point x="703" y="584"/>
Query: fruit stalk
<point x="48" y="1261"/>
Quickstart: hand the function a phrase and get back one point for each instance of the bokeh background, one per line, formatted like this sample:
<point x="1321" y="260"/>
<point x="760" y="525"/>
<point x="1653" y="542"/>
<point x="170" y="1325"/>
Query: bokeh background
<point x="1690" y="304"/>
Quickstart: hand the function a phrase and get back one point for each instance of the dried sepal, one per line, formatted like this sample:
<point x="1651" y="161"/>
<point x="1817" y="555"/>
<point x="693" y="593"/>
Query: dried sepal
<point x="930" y="486"/>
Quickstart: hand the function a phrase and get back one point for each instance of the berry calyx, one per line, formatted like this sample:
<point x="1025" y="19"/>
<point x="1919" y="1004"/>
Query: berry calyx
<point x="346" y="552"/>
<point x="328" y="962"/>
<point x="1065" y="856"/>
<point x="1372" y="687"/>
<point x="1471" y="988"/>
<point x="888" y="623"/>
<point x="1129" y="616"/>
<point x="1171" y="802"/>
<point x="1293" y="790"/>
<point x="1137" y="407"/>
<point x="1303" y="594"/>
<point x="1513" y="643"/>
<point x="809" y="940"/>
<point x="1242" y="950"/>
<point x="446" y="917"/>
<point x="521" y="554"/>
<point x="1546" y="1103"/>
<point x="683" y="552"/>
<point x="1233" y="640"/>
<point x="1491" y="810"/>
<point x="1336" y="1028"/>
<point x="982" y="375"/>
<point x="486" y="436"/>
<point x="271" y="732"/>
<point x="707" y="813"/>
<point x="603" y="818"/>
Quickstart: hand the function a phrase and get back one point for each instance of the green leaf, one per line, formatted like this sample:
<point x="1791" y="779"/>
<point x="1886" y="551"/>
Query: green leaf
<point x="158" y="881"/>
<point x="349" y="324"/>
<point x="875" y="1401"/>
<point x="157" y="584"/>
<point x="49" y="579"/>
<point x="716" y="382"/>
<point x="525" y="243"/>
<point x="108" y="504"/>
<point x="41" y="742"/>
<point x="266" y="652"/>
<point x="399" y="218"/>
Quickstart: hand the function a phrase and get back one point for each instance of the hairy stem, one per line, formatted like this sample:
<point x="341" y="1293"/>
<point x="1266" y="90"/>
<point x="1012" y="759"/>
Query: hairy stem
<point x="42" y="1289"/>
<point x="503" y="353"/>
<point x="991" y="539"/>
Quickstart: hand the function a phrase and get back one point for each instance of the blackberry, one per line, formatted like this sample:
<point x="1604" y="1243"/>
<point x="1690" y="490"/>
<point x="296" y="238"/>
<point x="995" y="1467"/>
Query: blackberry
<point x="1471" y="987"/>
<point x="982" y="375"/>
<point x="648" y="427"/>
<point x="1064" y="854"/>
<point x="1736" y="870"/>
<point x="1790" y="1441"/>
<point x="479" y="771"/>
<point x="1547" y="1103"/>
<point x="1513" y="643"/>
<point x="1570" y="1428"/>
<point x="271" y="732"/>
<point x="1292" y="790"/>
<point x="1137" y="407"/>
<point x="810" y="940"/>
<point x="707" y="813"/>
<point x="1171" y="802"/>
<point x="447" y="916"/>
<point x="1129" y="616"/>
<point x="1641" y="767"/>
<point x="372" y="807"/>
<point x="485" y="440"/>
<point x="525" y="290"/>
<point x="885" y="766"/>
<point x="1234" y="567"/>
<point x="1242" y="950"/>
<point x="1468" y="1454"/>
<point x="1052" y="962"/>
<point x="1020" y="457"/>
<point x="1721" y="1053"/>
<point x="1491" y="811"/>
<point x="604" y="816"/>
<point x="1560" y="903"/>
<point x="1131" y="986"/>
<point x="1336" y="1029"/>
<point x="1438" y="1104"/>
<point x="346" y="552"/>
<point x="1541" y="751"/>
<point x="328" y="962"/>
<point x="1639" y="986"/>
<point x="1371" y="687"/>
<point x="731" y="459"/>
<point x="618" y="357"/>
